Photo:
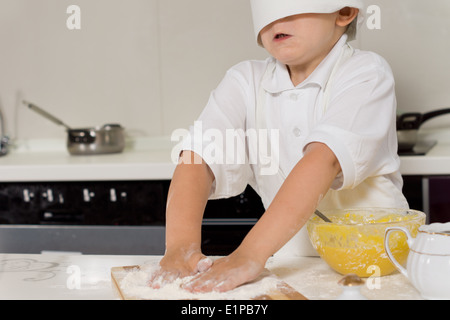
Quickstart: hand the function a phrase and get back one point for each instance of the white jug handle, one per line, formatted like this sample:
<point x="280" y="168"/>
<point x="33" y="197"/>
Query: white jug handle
<point x="410" y="242"/>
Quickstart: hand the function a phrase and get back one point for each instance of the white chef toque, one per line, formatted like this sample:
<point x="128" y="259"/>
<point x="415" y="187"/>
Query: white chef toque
<point x="267" y="11"/>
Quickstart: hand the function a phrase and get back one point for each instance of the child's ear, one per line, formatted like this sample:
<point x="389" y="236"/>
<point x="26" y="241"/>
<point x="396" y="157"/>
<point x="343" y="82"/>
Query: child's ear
<point x="346" y="16"/>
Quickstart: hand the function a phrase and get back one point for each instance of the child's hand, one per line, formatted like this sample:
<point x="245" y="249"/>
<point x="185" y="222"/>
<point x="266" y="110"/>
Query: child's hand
<point x="179" y="263"/>
<point x="226" y="274"/>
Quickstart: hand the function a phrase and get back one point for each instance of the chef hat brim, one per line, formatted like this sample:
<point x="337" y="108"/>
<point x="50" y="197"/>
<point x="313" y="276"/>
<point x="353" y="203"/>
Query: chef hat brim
<point x="267" y="11"/>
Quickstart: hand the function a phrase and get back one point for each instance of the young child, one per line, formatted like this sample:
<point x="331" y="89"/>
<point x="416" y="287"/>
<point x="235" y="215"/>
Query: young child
<point x="333" y="109"/>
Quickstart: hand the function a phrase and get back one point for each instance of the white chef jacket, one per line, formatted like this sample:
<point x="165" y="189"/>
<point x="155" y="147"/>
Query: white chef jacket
<point x="355" y="117"/>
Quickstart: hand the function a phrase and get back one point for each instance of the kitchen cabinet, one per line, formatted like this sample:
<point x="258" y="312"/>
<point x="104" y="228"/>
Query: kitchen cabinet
<point x="103" y="217"/>
<point x="430" y="194"/>
<point x="227" y="222"/>
<point x="438" y="202"/>
<point x="111" y="217"/>
<point x="413" y="191"/>
<point x="104" y="204"/>
<point x="427" y="177"/>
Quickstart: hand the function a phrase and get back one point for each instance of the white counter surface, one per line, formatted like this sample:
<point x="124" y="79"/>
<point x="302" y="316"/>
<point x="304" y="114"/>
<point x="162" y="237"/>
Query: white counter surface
<point x="83" y="277"/>
<point x="48" y="160"/>
<point x="151" y="159"/>
<point x="435" y="162"/>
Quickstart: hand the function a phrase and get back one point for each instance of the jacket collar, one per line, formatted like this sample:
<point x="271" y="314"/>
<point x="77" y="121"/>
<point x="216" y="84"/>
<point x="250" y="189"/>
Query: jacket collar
<point x="279" y="80"/>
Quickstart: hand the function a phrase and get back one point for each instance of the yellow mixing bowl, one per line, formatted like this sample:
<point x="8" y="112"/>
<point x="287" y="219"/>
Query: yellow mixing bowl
<point x="354" y="242"/>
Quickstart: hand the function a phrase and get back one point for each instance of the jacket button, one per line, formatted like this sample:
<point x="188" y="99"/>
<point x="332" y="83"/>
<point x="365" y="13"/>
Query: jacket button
<point x="293" y="96"/>
<point x="297" y="132"/>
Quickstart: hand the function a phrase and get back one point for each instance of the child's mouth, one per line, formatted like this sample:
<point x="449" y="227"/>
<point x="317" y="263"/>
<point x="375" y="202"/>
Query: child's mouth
<point x="281" y="36"/>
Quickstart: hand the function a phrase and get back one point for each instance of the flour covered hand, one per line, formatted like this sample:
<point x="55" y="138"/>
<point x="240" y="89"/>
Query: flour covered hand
<point x="179" y="264"/>
<point x="226" y="274"/>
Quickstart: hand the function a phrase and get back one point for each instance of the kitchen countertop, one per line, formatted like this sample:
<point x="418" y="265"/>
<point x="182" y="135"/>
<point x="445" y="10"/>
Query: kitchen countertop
<point x="48" y="160"/>
<point x="58" y="276"/>
<point x="436" y="161"/>
<point x="151" y="159"/>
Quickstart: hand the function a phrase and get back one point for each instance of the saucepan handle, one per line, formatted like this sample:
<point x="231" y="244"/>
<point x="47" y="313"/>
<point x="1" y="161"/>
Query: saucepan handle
<point x="410" y="241"/>
<point x="409" y="121"/>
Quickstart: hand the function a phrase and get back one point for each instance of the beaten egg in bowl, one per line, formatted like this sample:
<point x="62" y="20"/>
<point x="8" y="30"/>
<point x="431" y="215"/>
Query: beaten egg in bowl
<point x="354" y="241"/>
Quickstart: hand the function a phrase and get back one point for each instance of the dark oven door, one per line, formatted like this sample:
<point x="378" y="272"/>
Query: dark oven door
<point x="114" y="217"/>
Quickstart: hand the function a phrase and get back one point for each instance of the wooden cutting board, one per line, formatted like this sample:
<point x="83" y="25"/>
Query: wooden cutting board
<point x="283" y="291"/>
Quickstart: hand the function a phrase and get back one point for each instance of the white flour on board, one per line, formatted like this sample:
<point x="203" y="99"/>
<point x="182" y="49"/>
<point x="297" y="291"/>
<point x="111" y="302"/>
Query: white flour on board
<point x="135" y="284"/>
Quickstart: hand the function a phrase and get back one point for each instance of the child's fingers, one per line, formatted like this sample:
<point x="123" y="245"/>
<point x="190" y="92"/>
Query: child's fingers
<point x="226" y="274"/>
<point x="164" y="276"/>
<point x="161" y="278"/>
<point x="202" y="283"/>
<point x="204" y="264"/>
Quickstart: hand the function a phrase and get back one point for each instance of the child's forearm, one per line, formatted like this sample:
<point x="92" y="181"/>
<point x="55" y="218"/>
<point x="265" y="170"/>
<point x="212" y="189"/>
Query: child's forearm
<point x="295" y="202"/>
<point x="187" y="198"/>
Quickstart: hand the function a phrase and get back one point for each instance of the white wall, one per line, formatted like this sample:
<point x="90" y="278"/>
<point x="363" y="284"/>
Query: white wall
<point x="106" y="72"/>
<point x="415" y="39"/>
<point x="147" y="64"/>
<point x="200" y="40"/>
<point x="151" y="64"/>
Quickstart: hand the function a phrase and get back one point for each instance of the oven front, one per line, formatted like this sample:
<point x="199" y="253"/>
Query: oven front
<point x="111" y="217"/>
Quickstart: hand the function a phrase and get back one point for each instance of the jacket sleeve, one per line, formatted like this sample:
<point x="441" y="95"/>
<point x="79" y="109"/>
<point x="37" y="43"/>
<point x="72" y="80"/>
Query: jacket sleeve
<point x="219" y="136"/>
<point x="359" y="125"/>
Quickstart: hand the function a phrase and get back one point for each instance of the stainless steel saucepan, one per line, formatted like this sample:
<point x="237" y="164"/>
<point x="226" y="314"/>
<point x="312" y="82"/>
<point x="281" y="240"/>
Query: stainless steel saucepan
<point x="408" y="125"/>
<point x="106" y="139"/>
